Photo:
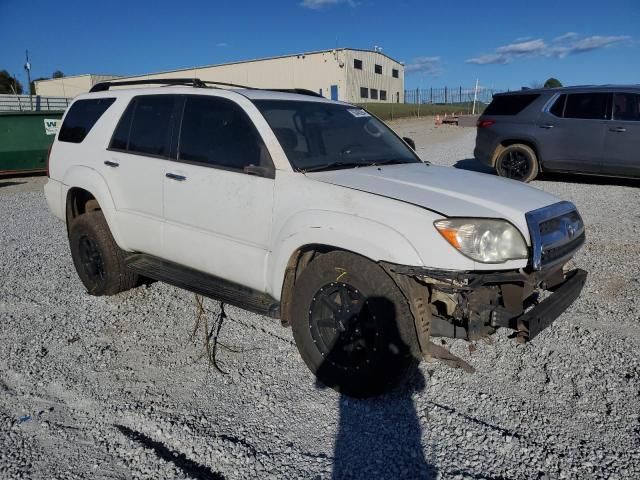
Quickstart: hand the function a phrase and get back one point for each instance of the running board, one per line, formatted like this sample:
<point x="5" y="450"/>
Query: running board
<point x="204" y="284"/>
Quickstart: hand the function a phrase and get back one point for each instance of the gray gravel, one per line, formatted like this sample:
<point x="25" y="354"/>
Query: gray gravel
<point x="114" y="387"/>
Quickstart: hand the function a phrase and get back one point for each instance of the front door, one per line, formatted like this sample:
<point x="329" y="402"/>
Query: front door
<point x="218" y="194"/>
<point x="570" y="134"/>
<point x="622" y="137"/>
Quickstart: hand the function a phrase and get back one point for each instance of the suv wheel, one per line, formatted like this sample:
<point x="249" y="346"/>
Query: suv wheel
<point x="97" y="258"/>
<point x="352" y="325"/>
<point x="518" y="162"/>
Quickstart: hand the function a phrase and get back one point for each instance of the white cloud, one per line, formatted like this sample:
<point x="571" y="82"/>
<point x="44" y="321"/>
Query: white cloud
<point x="428" y="65"/>
<point x="568" y="44"/>
<point x="222" y="44"/>
<point x="319" y="4"/>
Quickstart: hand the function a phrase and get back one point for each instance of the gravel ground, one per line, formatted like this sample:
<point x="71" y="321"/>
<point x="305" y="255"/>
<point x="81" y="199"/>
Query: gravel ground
<point x="115" y="387"/>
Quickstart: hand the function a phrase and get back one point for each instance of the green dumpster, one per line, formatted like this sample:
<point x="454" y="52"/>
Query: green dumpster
<point x="25" y="138"/>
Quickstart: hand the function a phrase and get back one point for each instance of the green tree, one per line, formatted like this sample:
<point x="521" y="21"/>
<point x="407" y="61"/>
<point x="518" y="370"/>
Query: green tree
<point x="552" y="83"/>
<point x="8" y="84"/>
<point x="57" y="74"/>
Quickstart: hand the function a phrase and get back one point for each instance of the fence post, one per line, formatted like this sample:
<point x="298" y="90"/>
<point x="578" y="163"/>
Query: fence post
<point x="445" y="95"/>
<point x="431" y="95"/>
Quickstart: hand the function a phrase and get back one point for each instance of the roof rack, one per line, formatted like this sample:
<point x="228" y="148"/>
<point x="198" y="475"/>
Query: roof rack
<point x="191" y="82"/>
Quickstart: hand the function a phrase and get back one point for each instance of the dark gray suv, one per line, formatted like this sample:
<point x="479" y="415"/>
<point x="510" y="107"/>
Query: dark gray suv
<point x="591" y="129"/>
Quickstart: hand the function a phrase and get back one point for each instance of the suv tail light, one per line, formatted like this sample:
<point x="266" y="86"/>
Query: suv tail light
<point x="48" y="157"/>
<point x="485" y="123"/>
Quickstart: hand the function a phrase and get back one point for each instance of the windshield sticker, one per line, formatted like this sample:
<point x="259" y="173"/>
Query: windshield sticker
<point x="358" y="112"/>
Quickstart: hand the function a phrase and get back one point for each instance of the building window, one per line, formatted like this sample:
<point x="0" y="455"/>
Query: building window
<point x="383" y="95"/>
<point x="357" y="64"/>
<point x="364" y="92"/>
<point x="378" y="69"/>
<point x="374" y="94"/>
<point x="395" y="73"/>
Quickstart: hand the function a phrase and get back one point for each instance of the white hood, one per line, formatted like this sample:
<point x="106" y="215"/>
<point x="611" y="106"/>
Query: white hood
<point x="449" y="191"/>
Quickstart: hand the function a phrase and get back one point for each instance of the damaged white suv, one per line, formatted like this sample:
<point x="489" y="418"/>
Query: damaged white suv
<point x="312" y="211"/>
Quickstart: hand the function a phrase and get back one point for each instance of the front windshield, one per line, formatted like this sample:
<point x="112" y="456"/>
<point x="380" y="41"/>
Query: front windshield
<point x="323" y="136"/>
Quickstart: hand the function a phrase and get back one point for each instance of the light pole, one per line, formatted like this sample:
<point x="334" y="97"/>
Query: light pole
<point x="27" y="67"/>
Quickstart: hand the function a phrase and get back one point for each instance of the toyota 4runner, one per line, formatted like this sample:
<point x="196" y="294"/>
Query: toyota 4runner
<point x="312" y="211"/>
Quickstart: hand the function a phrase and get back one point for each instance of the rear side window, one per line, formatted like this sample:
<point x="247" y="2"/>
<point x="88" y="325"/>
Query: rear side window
<point x="626" y="107"/>
<point x="586" y="105"/>
<point x="557" y="108"/>
<point x="145" y="126"/>
<point x="510" y="104"/>
<point x="81" y="118"/>
<point x="217" y="132"/>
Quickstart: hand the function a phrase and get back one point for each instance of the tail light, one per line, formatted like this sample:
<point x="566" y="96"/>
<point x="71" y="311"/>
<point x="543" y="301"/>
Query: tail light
<point x="48" y="157"/>
<point x="485" y="123"/>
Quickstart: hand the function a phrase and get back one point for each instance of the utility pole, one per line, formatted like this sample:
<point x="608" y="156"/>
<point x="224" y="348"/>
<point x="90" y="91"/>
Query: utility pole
<point x="475" y="98"/>
<point x="27" y="67"/>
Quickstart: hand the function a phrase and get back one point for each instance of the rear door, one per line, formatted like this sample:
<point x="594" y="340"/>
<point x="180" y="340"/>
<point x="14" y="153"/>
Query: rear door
<point x="218" y="194"/>
<point x="622" y="137"/>
<point x="134" y="169"/>
<point x="571" y="132"/>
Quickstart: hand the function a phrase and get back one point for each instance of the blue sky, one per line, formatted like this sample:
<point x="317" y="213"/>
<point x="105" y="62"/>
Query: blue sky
<point x="506" y="44"/>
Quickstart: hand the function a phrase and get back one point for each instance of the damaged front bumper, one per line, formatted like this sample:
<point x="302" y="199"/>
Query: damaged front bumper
<point x="473" y="305"/>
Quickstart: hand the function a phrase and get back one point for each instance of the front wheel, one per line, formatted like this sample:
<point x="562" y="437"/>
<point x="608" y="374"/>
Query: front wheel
<point x="352" y="325"/>
<point x="518" y="162"/>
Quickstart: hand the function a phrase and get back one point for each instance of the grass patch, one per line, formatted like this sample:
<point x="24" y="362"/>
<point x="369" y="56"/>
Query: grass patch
<point x="392" y="111"/>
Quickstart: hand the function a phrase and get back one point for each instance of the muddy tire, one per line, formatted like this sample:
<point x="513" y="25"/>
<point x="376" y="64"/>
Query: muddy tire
<point x="518" y="162"/>
<point x="352" y="325"/>
<point x="97" y="258"/>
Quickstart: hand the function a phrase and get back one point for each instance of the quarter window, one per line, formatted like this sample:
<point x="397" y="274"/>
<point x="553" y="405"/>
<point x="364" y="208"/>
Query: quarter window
<point x="364" y="92"/>
<point x="374" y="94"/>
<point x="217" y="132"/>
<point x="626" y="107"/>
<point x="586" y="105"/>
<point x="378" y="69"/>
<point x="81" y="118"/>
<point x="357" y="64"/>
<point x="558" y="106"/>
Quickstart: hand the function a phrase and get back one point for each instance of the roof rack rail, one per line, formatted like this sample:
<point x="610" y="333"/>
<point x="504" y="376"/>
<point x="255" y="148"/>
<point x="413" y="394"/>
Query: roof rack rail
<point x="104" y="86"/>
<point x="299" y="91"/>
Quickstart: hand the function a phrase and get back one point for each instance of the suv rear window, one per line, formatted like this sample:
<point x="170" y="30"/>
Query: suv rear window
<point x="510" y="104"/>
<point x="81" y="118"/>
<point x="586" y="105"/>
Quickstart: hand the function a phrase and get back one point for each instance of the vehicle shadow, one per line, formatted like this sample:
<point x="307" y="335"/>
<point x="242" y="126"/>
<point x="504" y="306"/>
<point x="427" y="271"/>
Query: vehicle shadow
<point x="10" y="184"/>
<point x="473" y="165"/>
<point x="381" y="437"/>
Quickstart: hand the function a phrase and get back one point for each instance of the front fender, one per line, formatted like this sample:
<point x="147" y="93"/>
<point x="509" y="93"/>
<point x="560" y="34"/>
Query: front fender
<point x="90" y="180"/>
<point x="363" y="236"/>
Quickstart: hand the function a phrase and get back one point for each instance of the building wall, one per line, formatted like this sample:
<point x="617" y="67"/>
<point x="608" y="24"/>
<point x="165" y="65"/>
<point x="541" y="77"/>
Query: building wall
<point x="69" y="87"/>
<point x="316" y="71"/>
<point x="367" y="78"/>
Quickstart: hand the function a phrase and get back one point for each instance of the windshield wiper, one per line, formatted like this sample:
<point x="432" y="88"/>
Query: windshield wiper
<point x="330" y="165"/>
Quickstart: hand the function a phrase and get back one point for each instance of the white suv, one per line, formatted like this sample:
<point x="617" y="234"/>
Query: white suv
<point x="311" y="211"/>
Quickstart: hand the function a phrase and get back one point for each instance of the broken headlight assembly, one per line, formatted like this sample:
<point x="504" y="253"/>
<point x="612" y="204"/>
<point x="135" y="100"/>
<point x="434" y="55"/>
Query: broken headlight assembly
<point x="484" y="240"/>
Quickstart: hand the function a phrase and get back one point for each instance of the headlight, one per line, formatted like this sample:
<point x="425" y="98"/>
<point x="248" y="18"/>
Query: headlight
<point x="484" y="240"/>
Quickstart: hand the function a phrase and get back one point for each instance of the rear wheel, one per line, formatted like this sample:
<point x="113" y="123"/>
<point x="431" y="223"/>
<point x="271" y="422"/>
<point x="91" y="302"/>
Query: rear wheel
<point x="97" y="258"/>
<point x="518" y="162"/>
<point x="352" y="325"/>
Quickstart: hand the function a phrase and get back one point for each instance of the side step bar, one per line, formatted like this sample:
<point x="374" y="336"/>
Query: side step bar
<point x="204" y="284"/>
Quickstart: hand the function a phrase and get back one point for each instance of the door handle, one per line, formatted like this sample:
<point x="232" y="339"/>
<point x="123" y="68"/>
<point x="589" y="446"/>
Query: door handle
<point x="111" y="164"/>
<point x="618" y="129"/>
<point x="175" y="176"/>
<point x="546" y="126"/>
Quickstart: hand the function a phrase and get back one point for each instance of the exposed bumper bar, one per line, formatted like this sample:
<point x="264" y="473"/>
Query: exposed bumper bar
<point x="542" y="315"/>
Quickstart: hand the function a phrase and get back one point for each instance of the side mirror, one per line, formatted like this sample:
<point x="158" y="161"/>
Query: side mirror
<point x="410" y="142"/>
<point x="258" y="171"/>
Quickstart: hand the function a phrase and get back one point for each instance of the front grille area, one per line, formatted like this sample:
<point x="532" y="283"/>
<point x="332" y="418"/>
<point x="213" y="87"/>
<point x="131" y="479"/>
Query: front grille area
<point x="557" y="232"/>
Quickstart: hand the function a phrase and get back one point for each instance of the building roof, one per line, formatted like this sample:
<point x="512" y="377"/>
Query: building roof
<point x="261" y="60"/>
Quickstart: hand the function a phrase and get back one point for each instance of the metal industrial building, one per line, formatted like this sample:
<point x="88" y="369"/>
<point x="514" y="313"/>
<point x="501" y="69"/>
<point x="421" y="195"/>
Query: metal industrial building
<point x="346" y="74"/>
